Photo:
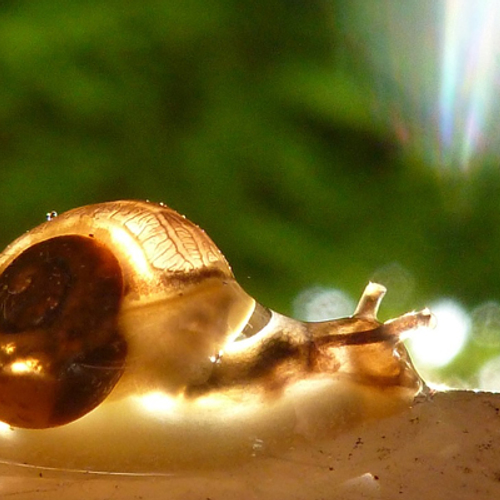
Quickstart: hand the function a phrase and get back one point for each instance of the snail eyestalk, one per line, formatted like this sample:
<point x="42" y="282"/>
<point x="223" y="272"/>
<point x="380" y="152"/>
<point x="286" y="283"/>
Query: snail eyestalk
<point x="370" y="301"/>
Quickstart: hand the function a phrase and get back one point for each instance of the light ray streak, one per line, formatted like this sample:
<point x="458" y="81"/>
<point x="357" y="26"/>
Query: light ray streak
<point x="469" y="67"/>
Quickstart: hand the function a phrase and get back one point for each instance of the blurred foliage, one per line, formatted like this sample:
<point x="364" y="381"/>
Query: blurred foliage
<point x="254" y="120"/>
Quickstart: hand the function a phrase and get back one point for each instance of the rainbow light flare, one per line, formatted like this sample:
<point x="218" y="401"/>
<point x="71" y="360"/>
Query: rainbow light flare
<point x="470" y="66"/>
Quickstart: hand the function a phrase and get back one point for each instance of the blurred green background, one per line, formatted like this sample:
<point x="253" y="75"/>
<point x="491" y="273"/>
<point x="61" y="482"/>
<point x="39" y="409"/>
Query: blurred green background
<point x="261" y="121"/>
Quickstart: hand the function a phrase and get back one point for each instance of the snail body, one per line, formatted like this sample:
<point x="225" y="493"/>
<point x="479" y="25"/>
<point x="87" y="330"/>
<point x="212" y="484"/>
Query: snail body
<point x="122" y="325"/>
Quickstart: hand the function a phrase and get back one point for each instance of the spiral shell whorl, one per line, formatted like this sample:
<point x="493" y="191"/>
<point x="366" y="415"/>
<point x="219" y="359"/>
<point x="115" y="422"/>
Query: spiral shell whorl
<point x="60" y="349"/>
<point x="160" y="241"/>
<point x="171" y="243"/>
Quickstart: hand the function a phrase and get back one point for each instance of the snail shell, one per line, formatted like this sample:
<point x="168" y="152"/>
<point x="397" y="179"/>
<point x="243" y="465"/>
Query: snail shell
<point x="122" y="325"/>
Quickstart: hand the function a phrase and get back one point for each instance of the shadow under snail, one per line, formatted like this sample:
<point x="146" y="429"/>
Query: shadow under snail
<point x="127" y="345"/>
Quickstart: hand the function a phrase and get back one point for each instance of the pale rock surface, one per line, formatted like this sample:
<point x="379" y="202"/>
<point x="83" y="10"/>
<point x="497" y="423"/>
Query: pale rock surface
<point x="445" y="446"/>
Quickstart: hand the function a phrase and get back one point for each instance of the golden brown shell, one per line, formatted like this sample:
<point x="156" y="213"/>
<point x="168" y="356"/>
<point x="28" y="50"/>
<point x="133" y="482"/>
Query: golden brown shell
<point x="102" y="287"/>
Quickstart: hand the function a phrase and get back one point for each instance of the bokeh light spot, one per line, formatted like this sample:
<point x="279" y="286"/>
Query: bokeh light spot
<point x="486" y="324"/>
<point x="489" y="376"/>
<point x="399" y="282"/>
<point x="321" y="303"/>
<point x="436" y="348"/>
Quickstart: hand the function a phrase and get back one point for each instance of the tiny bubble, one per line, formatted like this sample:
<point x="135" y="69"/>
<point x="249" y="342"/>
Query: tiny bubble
<point x="51" y="215"/>
<point x="257" y="447"/>
<point x="216" y="357"/>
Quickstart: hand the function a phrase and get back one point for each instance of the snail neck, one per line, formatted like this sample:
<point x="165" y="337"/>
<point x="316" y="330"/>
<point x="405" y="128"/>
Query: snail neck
<point x="283" y="350"/>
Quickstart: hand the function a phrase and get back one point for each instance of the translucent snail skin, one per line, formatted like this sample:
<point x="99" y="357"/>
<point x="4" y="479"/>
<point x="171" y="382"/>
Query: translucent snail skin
<point x="126" y="345"/>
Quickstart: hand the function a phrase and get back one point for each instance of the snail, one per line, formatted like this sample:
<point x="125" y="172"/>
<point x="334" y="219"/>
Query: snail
<point x="123" y="328"/>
